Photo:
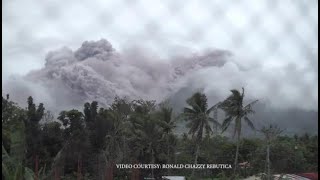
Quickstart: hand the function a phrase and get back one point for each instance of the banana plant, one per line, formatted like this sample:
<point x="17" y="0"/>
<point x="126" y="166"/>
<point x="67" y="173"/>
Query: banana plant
<point x="13" y="164"/>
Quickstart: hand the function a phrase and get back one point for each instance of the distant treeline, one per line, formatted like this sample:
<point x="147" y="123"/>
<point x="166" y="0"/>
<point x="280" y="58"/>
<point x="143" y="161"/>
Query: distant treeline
<point x="87" y="144"/>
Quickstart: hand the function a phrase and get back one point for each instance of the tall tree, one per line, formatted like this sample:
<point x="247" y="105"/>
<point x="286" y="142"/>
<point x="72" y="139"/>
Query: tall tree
<point x="116" y="119"/>
<point x="96" y="124"/>
<point x="10" y="110"/>
<point x="76" y="138"/>
<point x="121" y="108"/>
<point x="235" y="111"/>
<point x="198" y="116"/>
<point x="167" y="123"/>
<point x="270" y="134"/>
<point x="146" y="135"/>
<point x="33" y="131"/>
<point x="52" y="140"/>
<point x="13" y="157"/>
<point x="114" y="137"/>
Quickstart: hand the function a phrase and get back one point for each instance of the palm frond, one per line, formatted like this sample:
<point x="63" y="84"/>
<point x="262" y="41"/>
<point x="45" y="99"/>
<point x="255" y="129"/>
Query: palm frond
<point x="17" y="138"/>
<point x="242" y="95"/>
<point x="249" y="122"/>
<point x="5" y="170"/>
<point x="6" y="158"/>
<point x="28" y="174"/>
<point x="213" y="108"/>
<point x="226" y="123"/>
<point x="188" y="110"/>
<point x="215" y="122"/>
<point x="194" y="126"/>
<point x="248" y="108"/>
<point x="18" y="174"/>
<point x="235" y="93"/>
<point x="207" y="127"/>
<point x="251" y="103"/>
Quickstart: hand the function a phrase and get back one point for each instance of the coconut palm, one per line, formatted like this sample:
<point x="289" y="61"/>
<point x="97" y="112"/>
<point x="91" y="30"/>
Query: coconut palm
<point x="146" y="135"/>
<point x="235" y="111"/>
<point x="198" y="116"/>
<point x="167" y="123"/>
<point x="119" y="113"/>
<point x="115" y="136"/>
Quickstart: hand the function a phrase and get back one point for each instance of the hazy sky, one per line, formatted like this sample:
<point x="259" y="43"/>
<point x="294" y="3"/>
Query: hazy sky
<point x="31" y="28"/>
<point x="279" y="37"/>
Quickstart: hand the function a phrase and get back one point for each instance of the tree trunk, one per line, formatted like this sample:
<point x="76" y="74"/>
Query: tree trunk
<point x="135" y="173"/>
<point x="175" y="155"/>
<point x="79" y="175"/>
<point x="168" y="155"/>
<point x="56" y="174"/>
<point x="268" y="162"/>
<point x="103" y="162"/>
<point x="237" y="154"/>
<point x="36" y="168"/>
<point x="99" y="171"/>
<point x="109" y="172"/>
<point x="125" y="150"/>
<point x="196" y="158"/>
<point x="152" y="162"/>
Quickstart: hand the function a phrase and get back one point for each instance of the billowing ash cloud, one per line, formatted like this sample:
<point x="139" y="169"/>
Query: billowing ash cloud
<point x="96" y="71"/>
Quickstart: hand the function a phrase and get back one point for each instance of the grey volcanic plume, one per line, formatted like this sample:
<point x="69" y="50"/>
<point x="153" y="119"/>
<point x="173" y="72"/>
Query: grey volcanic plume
<point x="98" y="72"/>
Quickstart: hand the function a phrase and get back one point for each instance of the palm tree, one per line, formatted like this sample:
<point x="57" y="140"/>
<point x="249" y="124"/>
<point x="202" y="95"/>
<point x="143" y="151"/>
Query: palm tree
<point x="121" y="109"/>
<point x="198" y="116"/>
<point x="236" y="111"/>
<point x="270" y="134"/>
<point x="146" y="135"/>
<point x="115" y="135"/>
<point x="115" y="139"/>
<point x="167" y="124"/>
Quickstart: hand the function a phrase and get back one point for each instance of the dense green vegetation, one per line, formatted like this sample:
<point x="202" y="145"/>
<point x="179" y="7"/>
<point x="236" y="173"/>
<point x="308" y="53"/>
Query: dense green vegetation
<point x="87" y="144"/>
